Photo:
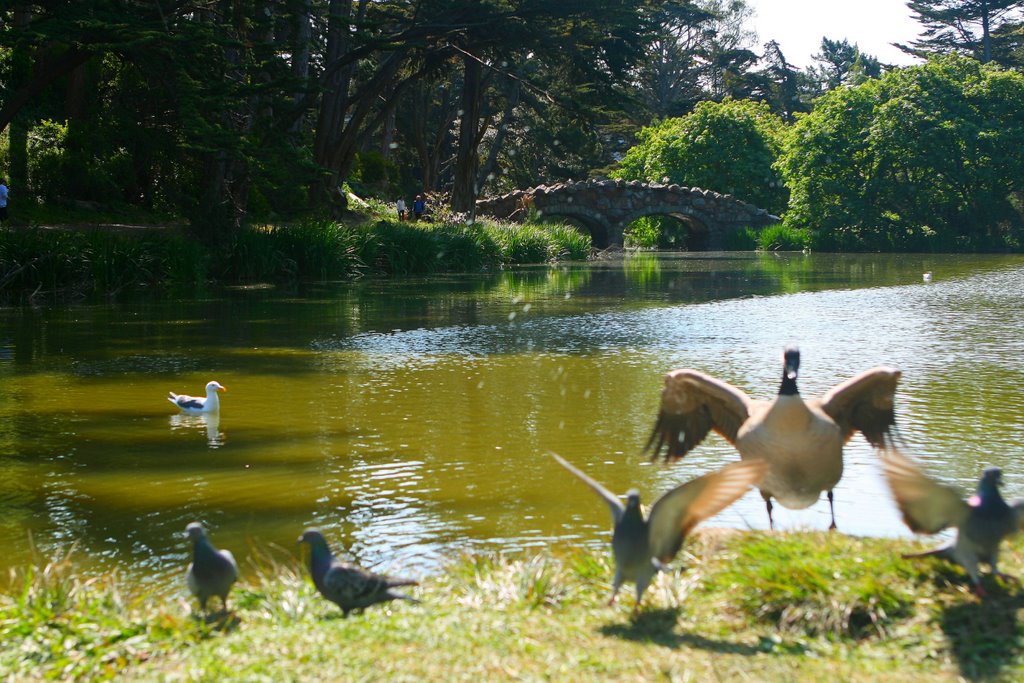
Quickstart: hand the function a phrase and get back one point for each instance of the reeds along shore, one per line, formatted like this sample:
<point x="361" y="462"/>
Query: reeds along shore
<point x="78" y="263"/>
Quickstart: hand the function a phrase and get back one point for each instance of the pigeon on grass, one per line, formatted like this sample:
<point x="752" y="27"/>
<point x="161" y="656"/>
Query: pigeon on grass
<point x="348" y="586"/>
<point x="212" y="572"/>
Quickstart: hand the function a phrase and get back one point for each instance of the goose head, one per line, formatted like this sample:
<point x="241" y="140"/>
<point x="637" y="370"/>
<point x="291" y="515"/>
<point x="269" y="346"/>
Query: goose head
<point x="790" y="371"/>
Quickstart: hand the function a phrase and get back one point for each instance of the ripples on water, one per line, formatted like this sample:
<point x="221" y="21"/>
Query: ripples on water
<point x="410" y="419"/>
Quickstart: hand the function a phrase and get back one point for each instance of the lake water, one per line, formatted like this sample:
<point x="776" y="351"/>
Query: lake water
<point x="410" y="417"/>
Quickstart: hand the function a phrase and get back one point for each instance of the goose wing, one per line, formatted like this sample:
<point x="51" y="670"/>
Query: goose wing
<point x="692" y="404"/>
<point x="675" y="514"/>
<point x="928" y="506"/>
<point x="614" y="504"/>
<point x="864" y="403"/>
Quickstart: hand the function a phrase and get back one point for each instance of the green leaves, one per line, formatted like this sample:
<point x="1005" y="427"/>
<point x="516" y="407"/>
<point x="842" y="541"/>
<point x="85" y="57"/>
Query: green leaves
<point x="926" y="157"/>
<point x="729" y="147"/>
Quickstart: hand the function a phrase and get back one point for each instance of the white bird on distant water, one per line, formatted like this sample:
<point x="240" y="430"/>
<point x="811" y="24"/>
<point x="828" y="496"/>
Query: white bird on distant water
<point x="194" y="405"/>
<point x="927" y="277"/>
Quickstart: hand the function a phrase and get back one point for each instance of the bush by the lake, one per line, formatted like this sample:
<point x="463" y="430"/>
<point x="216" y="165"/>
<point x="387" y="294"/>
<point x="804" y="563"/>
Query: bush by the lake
<point x="780" y="237"/>
<point x="929" y="157"/>
<point x="730" y="147"/>
<point x="96" y="261"/>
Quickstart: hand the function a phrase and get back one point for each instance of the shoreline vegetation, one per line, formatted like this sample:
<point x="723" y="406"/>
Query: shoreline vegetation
<point x="78" y="260"/>
<point x="79" y="256"/>
<point x="738" y="605"/>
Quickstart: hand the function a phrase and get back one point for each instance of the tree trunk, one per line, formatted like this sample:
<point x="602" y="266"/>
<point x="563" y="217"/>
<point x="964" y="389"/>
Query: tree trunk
<point x="433" y="144"/>
<point x="334" y="101"/>
<point x="986" y="39"/>
<point x="301" y="46"/>
<point x="466" y="163"/>
<point x="21" y="76"/>
<point x="223" y="193"/>
<point x="511" y="102"/>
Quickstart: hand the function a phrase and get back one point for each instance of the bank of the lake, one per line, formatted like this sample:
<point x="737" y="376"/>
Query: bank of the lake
<point x="748" y="606"/>
<point x="78" y="261"/>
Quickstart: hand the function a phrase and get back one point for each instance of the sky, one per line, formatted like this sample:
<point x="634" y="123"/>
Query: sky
<point x="799" y="25"/>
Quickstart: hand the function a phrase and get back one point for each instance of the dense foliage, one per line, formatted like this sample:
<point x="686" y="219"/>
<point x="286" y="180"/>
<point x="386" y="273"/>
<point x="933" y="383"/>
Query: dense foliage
<point x="225" y="113"/>
<point x="728" y="146"/>
<point x="927" y="157"/>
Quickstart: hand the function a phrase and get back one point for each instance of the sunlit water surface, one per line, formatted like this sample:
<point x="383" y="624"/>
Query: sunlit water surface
<point x="410" y="418"/>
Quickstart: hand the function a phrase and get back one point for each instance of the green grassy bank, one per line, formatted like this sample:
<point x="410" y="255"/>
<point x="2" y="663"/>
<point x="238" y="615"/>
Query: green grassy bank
<point x="748" y="606"/>
<point x="84" y="262"/>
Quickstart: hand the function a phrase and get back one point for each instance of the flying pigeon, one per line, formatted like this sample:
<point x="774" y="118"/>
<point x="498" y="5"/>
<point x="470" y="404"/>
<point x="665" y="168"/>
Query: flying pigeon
<point x="211" y="572"/>
<point x="642" y="547"/>
<point x="928" y="507"/>
<point x="347" y="585"/>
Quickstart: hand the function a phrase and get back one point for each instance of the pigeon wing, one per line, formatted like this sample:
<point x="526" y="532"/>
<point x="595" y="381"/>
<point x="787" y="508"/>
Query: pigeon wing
<point x="675" y="514"/>
<point x="347" y="585"/>
<point x="614" y="504"/>
<point x="928" y="506"/>
<point x="864" y="403"/>
<point x="233" y="571"/>
<point x="692" y="404"/>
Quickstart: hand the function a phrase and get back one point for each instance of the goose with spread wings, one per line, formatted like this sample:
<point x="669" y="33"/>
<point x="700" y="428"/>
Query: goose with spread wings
<point x="801" y="440"/>
<point x="643" y="546"/>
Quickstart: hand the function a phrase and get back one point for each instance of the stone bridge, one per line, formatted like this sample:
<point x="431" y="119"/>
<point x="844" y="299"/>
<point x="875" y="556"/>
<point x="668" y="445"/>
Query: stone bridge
<point x="607" y="207"/>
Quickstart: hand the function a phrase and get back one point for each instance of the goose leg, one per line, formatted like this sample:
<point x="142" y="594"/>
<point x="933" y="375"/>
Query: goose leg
<point x="832" y="509"/>
<point x="768" y="505"/>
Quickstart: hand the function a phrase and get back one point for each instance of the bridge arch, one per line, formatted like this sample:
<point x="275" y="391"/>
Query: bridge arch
<point x="607" y="207"/>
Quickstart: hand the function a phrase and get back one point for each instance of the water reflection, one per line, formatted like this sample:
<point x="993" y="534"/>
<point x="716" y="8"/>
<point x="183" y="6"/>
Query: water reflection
<point x="418" y="412"/>
<point x="208" y="422"/>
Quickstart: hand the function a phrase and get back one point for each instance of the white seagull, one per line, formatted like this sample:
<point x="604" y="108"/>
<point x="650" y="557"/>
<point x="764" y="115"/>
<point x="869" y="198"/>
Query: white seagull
<point x="195" y="405"/>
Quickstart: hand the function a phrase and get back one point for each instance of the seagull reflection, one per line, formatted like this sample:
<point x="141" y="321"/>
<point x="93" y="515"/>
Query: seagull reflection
<point x="208" y="421"/>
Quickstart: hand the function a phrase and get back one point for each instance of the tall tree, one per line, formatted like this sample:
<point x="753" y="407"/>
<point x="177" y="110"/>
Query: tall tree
<point x="782" y="85"/>
<point x="670" y="79"/>
<point x="964" y="26"/>
<point x="840" y="63"/>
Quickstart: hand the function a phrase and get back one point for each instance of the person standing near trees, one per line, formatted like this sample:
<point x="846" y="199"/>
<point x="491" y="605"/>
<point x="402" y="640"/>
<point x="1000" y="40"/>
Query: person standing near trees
<point x="419" y="205"/>
<point x="400" y="205"/>
<point x="3" y="200"/>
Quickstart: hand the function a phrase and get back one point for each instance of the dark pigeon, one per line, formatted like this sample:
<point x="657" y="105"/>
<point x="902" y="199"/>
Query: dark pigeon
<point x="347" y="585"/>
<point x="212" y="571"/>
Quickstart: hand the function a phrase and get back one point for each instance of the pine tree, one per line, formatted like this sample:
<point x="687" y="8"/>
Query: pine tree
<point x="963" y="26"/>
